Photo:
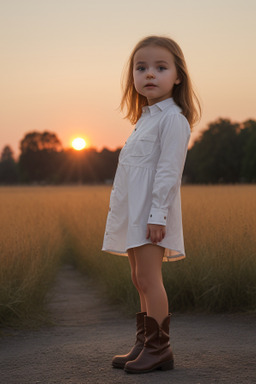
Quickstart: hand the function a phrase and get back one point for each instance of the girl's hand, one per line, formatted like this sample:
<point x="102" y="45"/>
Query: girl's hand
<point x="155" y="233"/>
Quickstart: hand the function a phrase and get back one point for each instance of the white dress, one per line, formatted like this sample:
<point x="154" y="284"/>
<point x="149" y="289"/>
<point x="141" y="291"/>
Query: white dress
<point x="146" y="187"/>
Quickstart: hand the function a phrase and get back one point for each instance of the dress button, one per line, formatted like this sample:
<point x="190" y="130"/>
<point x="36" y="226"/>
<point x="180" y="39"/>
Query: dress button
<point x="150" y="215"/>
<point x="165" y="217"/>
<point x="109" y="209"/>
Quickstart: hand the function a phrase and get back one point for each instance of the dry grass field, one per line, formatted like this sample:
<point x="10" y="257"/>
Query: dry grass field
<point x="42" y="227"/>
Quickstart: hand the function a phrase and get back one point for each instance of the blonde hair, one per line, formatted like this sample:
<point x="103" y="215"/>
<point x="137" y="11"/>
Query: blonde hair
<point x="182" y="93"/>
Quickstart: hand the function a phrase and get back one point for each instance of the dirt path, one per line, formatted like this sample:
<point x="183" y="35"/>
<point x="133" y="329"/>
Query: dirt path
<point x="79" y="349"/>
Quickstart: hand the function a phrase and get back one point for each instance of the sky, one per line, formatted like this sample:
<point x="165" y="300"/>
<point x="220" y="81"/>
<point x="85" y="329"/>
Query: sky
<point x="62" y="62"/>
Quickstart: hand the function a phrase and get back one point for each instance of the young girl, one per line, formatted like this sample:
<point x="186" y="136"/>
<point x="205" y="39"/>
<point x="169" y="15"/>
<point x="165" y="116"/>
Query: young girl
<point x="144" y="219"/>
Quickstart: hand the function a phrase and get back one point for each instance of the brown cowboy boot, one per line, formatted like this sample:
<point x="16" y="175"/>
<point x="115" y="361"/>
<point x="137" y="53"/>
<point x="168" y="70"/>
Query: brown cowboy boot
<point x="120" y="360"/>
<point x="157" y="353"/>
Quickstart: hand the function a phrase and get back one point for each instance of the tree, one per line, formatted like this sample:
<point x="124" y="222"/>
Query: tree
<point x="88" y="166"/>
<point x="248" y="143"/>
<point x="8" y="167"/>
<point x="36" y="141"/>
<point x="78" y="166"/>
<point x="107" y="163"/>
<point x="216" y="156"/>
<point x="39" y="160"/>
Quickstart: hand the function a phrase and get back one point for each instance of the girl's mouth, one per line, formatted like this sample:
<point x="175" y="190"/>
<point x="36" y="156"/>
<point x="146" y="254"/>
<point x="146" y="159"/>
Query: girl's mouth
<point x="150" y="85"/>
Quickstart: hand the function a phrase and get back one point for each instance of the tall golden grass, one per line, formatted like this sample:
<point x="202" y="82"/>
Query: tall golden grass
<point x="42" y="227"/>
<point x="30" y="245"/>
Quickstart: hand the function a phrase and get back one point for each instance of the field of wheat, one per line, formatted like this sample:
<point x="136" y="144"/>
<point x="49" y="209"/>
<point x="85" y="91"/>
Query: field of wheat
<point x="42" y="227"/>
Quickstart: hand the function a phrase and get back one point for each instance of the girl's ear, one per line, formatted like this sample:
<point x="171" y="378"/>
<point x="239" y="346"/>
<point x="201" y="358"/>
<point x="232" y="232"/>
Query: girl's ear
<point x="177" y="81"/>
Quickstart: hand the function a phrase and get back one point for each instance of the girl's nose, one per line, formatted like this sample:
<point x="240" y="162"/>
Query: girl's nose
<point x="150" y="75"/>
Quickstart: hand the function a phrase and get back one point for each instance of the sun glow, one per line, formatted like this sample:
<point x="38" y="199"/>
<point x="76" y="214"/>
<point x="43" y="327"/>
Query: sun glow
<point x="78" y="144"/>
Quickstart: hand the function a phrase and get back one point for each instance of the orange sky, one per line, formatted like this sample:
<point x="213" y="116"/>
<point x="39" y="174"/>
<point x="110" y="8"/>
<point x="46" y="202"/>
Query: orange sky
<point x="61" y="62"/>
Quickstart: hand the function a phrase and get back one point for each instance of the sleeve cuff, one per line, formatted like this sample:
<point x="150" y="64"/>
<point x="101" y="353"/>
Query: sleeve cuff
<point x="157" y="216"/>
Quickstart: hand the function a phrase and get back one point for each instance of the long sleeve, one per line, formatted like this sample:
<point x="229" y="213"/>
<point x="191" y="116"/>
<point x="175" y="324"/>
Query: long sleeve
<point x="174" y="134"/>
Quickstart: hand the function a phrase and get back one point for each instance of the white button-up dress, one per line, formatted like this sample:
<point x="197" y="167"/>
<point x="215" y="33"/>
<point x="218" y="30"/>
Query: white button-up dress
<point x="146" y="187"/>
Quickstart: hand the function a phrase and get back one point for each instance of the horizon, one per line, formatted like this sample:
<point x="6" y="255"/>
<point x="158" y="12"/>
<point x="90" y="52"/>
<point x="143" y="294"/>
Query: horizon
<point x="88" y="146"/>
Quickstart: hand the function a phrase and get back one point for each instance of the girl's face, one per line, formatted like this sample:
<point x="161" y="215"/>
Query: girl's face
<point x="154" y="73"/>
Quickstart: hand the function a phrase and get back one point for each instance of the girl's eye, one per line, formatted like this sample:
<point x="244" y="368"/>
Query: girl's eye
<point x="161" y="68"/>
<point x="140" y="68"/>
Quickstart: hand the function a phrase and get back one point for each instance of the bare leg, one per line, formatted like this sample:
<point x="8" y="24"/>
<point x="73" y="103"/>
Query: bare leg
<point x="132" y="261"/>
<point x="148" y="260"/>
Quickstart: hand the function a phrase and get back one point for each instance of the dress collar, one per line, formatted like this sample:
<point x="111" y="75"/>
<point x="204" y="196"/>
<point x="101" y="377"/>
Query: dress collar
<point x="155" y="108"/>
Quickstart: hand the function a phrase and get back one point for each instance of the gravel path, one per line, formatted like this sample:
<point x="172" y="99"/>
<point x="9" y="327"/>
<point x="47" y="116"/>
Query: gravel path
<point x="207" y="348"/>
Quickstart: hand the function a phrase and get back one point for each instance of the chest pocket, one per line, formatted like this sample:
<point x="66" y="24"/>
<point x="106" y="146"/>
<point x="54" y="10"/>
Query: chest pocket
<point x="143" y="145"/>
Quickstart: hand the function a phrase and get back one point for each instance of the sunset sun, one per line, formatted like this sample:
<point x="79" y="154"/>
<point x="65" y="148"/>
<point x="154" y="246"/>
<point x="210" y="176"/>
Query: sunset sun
<point x="78" y="144"/>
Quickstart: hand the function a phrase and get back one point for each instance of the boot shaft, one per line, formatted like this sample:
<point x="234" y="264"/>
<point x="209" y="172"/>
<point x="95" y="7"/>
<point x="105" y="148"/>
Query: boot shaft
<point x="155" y="335"/>
<point x="140" y="325"/>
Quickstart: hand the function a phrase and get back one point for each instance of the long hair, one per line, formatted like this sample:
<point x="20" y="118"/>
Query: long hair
<point x="182" y="93"/>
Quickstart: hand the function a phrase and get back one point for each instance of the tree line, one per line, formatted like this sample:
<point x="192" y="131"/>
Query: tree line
<point x="224" y="153"/>
<point x="42" y="160"/>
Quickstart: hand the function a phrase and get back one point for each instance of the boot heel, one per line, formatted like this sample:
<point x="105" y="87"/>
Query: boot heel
<point x="167" y="365"/>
